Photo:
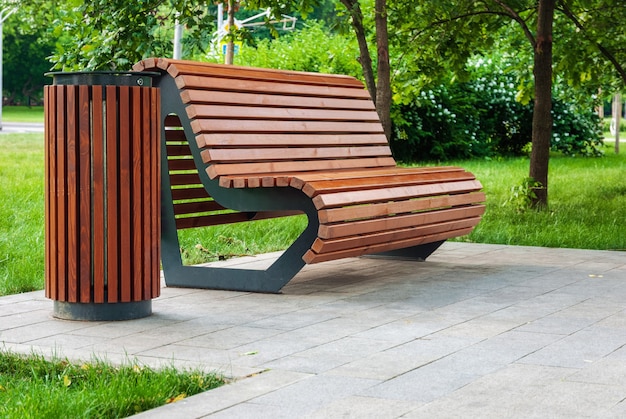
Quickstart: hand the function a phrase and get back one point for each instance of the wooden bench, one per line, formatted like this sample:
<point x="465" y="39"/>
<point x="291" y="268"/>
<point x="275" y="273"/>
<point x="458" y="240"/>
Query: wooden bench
<point x="244" y="144"/>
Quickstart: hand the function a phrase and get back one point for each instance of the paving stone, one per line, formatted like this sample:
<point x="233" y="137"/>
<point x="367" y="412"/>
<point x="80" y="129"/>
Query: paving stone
<point x="307" y="396"/>
<point x="364" y="408"/>
<point x="222" y="398"/>
<point x="579" y="349"/>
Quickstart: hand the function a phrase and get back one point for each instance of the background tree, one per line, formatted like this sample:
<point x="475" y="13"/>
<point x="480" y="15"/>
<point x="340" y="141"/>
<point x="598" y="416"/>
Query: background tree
<point x="26" y="49"/>
<point x="442" y="36"/>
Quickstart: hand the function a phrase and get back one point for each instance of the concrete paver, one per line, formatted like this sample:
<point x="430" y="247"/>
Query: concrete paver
<point x="476" y="331"/>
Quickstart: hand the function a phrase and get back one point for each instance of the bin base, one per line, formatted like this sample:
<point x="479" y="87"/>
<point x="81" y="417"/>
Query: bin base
<point x="102" y="311"/>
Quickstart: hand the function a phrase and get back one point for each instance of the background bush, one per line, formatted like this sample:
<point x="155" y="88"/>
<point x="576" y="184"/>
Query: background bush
<point x="312" y="48"/>
<point x="483" y="117"/>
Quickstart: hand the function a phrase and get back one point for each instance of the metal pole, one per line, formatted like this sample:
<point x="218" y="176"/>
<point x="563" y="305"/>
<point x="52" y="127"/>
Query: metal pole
<point x="178" y="36"/>
<point x="617" y="113"/>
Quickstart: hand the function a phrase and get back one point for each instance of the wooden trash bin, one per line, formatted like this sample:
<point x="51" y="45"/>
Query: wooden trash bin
<point x="102" y="176"/>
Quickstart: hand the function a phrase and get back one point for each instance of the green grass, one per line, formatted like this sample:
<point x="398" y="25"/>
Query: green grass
<point x="222" y="242"/>
<point x="22" y="114"/>
<point x="586" y="210"/>
<point x="587" y="202"/>
<point x="33" y="387"/>
<point x="21" y="213"/>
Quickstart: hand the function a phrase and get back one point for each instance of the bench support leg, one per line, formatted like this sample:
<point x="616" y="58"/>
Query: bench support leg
<point x="420" y="252"/>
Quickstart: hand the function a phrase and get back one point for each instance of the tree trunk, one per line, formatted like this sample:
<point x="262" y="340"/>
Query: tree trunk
<point x="364" y="54"/>
<point x="230" y="46"/>
<point x="383" y="87"/>
<point x="542" y="116"/>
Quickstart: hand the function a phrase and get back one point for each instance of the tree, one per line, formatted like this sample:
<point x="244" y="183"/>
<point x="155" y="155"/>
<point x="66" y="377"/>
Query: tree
<point x="441" y="36"/>
<point x="114" y="34"/>
<point x="542" y="116"/>
<point x="26" y="47"/>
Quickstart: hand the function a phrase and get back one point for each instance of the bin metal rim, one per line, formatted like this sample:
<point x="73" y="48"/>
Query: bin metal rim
<point x="103" y="78"/>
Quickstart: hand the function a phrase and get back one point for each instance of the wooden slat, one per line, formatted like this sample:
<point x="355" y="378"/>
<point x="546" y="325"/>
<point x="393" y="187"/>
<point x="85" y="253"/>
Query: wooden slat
<point x="397" y="207"/>
<point x="172" y="121"/>
<point x="181" y="164"/>
<point x="361" y="240"/>
<point x="156" y="192"/>
<point x="189" y="193"/>
<point x="211" y="220"/>
<point x="177" y="179"/>
<point x="237" y="217"/>
<point x="201" y="126"/>
<point x="196" y="68"/>
<point x="72" y="170"/>
<point x="48" y="99"/>
<point x="125" y="201"/>
<point x="175" y="135"/>
<point x="299" y="180"/>
<point x="301" y="139"/>
<point x="85" y="93"/>
<point x="58" y="170"/>
<point x="112" y="152"/>
<point x="178" y="150"/>
<point x="311" y="257"/>
<point x="391" y="194"/>
<point x="191" y="96"/>
<point x="184" y="82"/>
<point x="138" y="203"/>
<point x="258" y="112"/>
<point x="277" y="154"/>
<point x="196" y="207"/>
<point x="397" y="222"/>
<point x="374" y="182"/>
<point x="277" y="167"/>
<point x="99" y="202"/>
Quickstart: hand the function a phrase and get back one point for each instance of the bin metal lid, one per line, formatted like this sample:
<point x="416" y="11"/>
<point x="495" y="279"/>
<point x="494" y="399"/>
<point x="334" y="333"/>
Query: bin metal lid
<point x="103" y="78"/>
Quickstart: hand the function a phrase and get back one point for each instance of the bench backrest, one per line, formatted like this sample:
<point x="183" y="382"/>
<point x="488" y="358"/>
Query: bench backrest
<point x="264" y="121"/>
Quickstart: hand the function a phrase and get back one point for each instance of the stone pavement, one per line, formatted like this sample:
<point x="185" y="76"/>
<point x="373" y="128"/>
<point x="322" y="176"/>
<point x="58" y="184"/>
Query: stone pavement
<point x="22" y="127"/>
<point x="477" y="331"/>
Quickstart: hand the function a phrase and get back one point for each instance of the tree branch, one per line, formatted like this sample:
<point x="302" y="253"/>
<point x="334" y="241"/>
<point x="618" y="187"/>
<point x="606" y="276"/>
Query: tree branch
<point x="607" y="54"/>
<point x="516" y="17"/>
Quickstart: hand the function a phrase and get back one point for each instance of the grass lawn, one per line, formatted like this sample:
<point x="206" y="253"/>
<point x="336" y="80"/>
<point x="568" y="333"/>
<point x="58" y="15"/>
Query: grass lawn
<point x="33" y="387"/>
<point x="587" y="204"/>
<point x="22" y="114"/>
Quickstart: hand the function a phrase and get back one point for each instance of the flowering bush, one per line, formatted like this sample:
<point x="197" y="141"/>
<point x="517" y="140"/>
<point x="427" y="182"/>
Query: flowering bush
<point x="484" y="118"/>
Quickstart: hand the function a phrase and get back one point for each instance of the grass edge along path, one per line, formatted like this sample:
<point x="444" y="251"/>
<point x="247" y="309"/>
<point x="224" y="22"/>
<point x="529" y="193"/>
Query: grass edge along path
<point x="34" y="387"/>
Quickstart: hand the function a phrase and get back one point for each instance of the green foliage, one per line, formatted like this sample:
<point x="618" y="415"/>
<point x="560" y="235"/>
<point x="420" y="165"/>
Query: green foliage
<point x="113" y="35"/>
<point x="33" y="387"/>
<point x="311" y="49"/>
<point x="483" y="117"/>
<point x="25" y="53"/>
<point x="523" y="195"/>
<point x="576" y="130"/>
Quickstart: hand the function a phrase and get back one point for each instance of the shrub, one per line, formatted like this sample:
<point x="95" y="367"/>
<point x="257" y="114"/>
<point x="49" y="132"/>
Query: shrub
<point x="483" y="118"/>
<point x="309" y="49"/>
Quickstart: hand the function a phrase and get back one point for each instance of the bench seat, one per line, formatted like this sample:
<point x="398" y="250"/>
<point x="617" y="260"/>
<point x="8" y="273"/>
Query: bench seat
<point x="243" y="144"/>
